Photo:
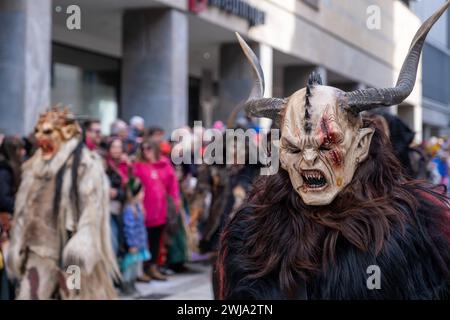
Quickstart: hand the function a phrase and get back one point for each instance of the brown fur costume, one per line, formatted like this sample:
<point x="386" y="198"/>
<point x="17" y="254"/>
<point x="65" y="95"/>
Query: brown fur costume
<point x="46" y="240"/>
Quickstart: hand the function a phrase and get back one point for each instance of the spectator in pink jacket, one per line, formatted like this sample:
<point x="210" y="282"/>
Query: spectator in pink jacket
<point x="160" y="182"/>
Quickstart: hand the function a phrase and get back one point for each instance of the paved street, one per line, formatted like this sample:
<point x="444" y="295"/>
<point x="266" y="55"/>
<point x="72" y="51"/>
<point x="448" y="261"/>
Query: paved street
<point x="194" y="285"/>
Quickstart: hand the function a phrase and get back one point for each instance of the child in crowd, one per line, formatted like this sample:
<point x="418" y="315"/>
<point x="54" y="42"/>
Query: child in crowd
<point x="135" y="237"/>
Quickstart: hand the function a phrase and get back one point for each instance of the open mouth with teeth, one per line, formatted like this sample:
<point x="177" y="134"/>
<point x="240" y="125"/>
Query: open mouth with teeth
<point x="47" y="147"/>
<point x="314" y="179"/>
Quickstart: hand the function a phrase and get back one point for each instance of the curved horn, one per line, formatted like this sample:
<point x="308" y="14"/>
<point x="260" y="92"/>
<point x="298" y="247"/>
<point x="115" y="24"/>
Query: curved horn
<point x="366" y="99"/>
<point x="256" y="105"/>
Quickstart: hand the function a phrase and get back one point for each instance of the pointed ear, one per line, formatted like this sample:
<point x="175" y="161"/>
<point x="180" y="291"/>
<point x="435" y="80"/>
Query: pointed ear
<point x="363" y="143"/>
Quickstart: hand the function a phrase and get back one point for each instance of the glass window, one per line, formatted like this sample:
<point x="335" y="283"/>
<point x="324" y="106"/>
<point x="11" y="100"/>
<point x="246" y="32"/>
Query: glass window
<point x="87" y="82"/>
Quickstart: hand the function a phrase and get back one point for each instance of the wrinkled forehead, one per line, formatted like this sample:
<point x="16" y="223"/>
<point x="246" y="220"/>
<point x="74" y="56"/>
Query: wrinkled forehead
<point x="308" y="110"/>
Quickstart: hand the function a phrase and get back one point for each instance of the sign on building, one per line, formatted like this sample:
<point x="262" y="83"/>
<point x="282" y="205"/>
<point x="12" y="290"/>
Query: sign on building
<point x="239" y="8"/>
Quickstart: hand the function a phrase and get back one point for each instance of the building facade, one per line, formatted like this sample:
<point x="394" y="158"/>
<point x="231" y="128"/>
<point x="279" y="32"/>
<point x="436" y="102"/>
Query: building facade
<point x="176" y="61"/>
<point x="436" y="72"/>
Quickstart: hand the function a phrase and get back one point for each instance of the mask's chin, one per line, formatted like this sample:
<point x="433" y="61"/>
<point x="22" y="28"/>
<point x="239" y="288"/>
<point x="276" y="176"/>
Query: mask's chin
<point x="317" y="199"/>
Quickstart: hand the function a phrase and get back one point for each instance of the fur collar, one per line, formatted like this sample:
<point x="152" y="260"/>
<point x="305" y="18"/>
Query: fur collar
<point x="47" y="168"/>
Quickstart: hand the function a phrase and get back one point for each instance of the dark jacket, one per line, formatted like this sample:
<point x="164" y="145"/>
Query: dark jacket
<point x="116" y="183"/>
<point x="6" y="188"/>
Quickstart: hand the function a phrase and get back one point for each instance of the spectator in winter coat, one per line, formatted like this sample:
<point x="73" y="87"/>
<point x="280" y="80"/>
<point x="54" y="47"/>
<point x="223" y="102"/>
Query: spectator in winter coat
<point x="135" y="237"/>
<point x="11" y="154"/>
<point x="118" y="179"/>
<point x="160" y="186"/>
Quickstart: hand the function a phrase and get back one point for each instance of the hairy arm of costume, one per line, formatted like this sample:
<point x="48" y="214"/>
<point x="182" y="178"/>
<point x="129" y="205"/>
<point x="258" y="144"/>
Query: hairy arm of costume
<point x="91" y="241"/>
<point x="16" y="256"/>
<point x="234" y="282"/>
<point x="434" y="216"/>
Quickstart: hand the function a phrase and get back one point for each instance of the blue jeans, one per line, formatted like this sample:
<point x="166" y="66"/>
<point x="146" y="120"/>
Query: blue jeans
<point x="115" y="233"/>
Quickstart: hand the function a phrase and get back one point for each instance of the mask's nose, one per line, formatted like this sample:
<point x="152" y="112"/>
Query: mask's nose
<point x="310" y="156"/>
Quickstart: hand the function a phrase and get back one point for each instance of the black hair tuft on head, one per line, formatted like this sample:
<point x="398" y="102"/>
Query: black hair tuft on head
<point x="314" y="79"/>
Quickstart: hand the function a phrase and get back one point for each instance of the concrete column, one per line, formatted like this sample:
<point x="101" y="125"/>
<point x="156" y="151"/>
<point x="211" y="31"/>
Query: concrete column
<point x="426" y="132"/>
<point x="418" y="120"/>
<point x="25" y="55"/>
<point x="266" y="60"/>
<point x="155" y="67"/>
<point x="236" y="76"/>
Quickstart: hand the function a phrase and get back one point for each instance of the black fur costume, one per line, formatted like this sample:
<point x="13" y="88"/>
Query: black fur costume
<point x="312" y="258"/>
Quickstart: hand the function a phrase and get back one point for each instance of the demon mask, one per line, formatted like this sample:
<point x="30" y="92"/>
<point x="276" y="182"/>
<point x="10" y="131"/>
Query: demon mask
<point x="322" y="135"/>
<point x="54" y="128"/>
